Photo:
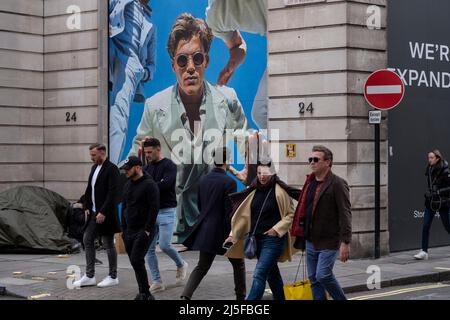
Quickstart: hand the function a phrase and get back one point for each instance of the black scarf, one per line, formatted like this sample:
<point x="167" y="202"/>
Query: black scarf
<point x="238" y="197"/>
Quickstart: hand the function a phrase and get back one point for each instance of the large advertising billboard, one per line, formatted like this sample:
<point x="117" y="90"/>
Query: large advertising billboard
<point x="418" y="50"/>
<point x="191" y="74"/>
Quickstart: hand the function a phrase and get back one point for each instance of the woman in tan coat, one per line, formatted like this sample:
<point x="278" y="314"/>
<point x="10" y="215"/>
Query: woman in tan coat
<point x="265" y="209"/>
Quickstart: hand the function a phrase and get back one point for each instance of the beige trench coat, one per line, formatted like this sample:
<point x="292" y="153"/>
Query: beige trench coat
<point x="241" y="224"/>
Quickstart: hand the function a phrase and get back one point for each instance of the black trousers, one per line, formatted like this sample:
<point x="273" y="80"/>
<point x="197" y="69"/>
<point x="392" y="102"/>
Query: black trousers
<point x="204" y="264"/>
<point x="137" y="244"/>
<point x="428" y="220"/>
<point x="89" y="236"/>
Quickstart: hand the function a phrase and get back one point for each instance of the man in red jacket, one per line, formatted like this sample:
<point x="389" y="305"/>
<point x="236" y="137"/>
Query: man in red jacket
<point x="323" y="219"/>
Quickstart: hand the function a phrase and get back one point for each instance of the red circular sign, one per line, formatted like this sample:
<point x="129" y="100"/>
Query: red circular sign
<point x="384" y="89"/>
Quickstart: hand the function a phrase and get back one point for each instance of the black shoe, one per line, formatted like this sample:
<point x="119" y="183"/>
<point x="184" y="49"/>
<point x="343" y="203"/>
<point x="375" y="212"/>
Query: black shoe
<point x="185" y="298"/>
<point x="144" y="296"/>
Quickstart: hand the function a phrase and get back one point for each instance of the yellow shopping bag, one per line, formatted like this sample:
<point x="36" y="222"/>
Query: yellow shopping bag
<point x="300" y="290"/>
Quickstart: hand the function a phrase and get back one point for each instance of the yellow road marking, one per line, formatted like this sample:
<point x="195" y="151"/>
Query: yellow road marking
<point x="440" y="268"/>
<point x="39" y="296"/>
<point x="397" y="292"/>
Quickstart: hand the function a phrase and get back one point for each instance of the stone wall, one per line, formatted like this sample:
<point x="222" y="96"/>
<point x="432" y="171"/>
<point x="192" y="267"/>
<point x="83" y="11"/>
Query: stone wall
<point x="321" y="53"/>
<point x="21" y="92"/>
<point x="49" y="84"/>
<point x="71" y="86"/>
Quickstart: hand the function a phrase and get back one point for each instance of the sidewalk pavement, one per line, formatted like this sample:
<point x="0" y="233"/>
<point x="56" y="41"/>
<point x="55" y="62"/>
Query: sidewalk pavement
<point x="45" y="276"/>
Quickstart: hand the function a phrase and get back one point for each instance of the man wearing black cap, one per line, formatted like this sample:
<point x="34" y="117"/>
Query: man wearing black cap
<point x="140" y="209"/>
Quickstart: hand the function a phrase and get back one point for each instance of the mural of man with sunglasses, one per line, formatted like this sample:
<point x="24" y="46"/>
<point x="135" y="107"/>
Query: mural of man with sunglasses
<point x="132" y="53"/>
<point x="183" y="114"/>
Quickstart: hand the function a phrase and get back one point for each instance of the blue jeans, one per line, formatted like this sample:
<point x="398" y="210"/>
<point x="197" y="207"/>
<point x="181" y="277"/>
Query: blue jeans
<point x="427" y="221"/>
<point x="269" y="249"/>
<point x="164" y="232"/>
<point x="127" y="72"/>
<point x="320" y="265"/>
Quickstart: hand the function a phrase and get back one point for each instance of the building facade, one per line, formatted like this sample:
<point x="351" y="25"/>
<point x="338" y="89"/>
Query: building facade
<point x="54" y="94"/>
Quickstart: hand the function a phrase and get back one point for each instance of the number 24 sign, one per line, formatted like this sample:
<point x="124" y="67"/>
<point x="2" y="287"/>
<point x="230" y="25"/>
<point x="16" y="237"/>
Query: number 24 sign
<point x="303" y="108"/>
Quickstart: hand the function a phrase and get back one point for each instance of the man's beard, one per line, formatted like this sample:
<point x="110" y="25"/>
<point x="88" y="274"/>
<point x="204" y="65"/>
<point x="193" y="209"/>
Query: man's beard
<point x="133" y="176"/>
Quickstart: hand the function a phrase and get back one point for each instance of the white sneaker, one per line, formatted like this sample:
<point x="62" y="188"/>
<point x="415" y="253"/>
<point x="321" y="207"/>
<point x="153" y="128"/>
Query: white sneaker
<point x="85" y="281"/>
<point x="108" y="282"/>
<point x="156" y="287"/>
<point x="422" y="255"/>
<point x="182" y="272"/>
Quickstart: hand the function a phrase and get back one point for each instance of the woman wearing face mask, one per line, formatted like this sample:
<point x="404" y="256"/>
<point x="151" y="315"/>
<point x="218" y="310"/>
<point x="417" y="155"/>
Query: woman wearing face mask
<point x="436" y="198"/>
<point x="266" y="210"/>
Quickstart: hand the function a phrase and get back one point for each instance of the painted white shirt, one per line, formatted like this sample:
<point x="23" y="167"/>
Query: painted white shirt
<point x="94" y="180"/>
<point x="226" y="16"/>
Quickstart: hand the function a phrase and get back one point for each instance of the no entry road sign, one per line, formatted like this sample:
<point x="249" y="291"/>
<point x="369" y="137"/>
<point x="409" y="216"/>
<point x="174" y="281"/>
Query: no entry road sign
<point x="384" y="89"/>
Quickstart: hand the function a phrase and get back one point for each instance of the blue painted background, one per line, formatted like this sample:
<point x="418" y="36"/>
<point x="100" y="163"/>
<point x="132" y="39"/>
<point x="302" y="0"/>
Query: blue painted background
<point x="245" y="79"/>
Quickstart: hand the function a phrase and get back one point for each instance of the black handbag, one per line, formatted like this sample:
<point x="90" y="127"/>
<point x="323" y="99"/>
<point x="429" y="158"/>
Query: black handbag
<point x="250" y="245"/>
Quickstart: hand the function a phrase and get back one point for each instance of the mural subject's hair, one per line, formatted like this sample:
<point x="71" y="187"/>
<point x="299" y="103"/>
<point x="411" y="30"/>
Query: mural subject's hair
<point x="184" y="28"/>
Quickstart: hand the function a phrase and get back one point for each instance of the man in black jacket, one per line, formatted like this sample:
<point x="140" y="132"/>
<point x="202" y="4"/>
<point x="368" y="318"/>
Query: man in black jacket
<point x="100" y="204"/>
<point x="214" y="225"/>
<point x="164" y="173"/>
<point x="140" y="209"/>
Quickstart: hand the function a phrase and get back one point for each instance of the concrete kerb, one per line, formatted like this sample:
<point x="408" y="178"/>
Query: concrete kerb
<point x="403" y="281"/>
<point x="398" y="270"/>
<point x="7" y="292"/>
<point x="409" y="280"/>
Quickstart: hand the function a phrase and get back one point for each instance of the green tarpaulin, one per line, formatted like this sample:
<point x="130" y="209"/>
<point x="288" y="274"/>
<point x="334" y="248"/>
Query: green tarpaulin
<point x="32" y="220"/>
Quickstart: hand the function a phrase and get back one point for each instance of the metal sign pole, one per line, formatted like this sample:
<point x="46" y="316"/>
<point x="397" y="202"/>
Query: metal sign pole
<point x="383" y="90"/>
<point x="377" y="191"/>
